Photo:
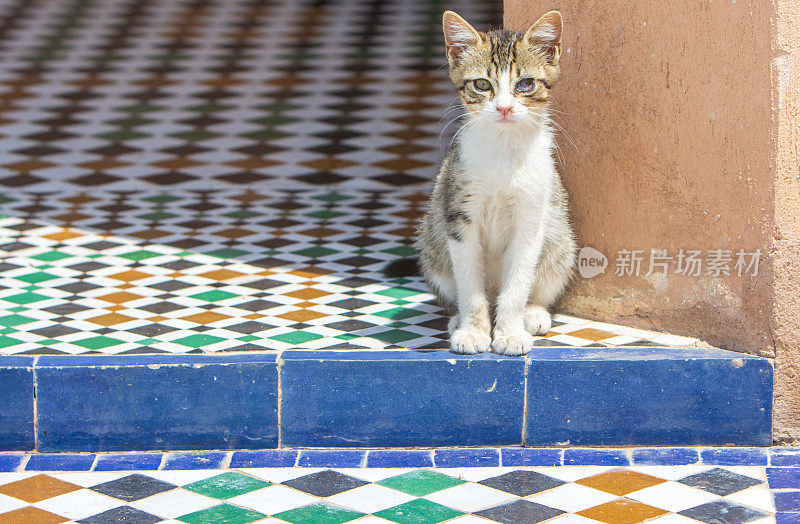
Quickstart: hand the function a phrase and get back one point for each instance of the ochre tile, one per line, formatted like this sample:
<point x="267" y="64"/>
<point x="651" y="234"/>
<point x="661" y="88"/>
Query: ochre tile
<point x="110" y="319"/>
<point x="209" y="317"/>
<point x="120" y="297"/>
<point x="36" y="488"/>
<point x="302" y="315"/>
<point x="307" y="293"/>
<point x="221" y="274"/>
<point x="130" y="276"/>
<point x="31" y="515"/>
<point x="590" y="334"/>
<point x="620" y="481"/>
<point x="64" y="234"/>
<point x="622" y="511"/>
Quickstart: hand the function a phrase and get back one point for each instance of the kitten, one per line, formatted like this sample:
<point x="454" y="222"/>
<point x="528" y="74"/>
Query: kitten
<point x="496" y="240"/>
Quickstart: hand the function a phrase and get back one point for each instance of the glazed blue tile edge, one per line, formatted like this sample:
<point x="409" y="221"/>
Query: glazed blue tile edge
<point x="17" y="428"/>
<point x="653" y="402"/>
<point x="402" y="403"/>
<point x="152" y="402"/>
<point x="779" y="478"/>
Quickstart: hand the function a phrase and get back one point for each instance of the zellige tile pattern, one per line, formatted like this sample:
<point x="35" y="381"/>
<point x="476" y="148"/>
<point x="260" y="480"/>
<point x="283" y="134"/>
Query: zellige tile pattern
<point x="401" y="495"/>
<point x="224" y="175"/>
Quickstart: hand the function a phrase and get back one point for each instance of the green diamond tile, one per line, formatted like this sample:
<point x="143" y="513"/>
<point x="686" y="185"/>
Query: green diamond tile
<point x="247" y="338"/>
<point x="26" y="298"/>
<point x="243" y="213"/>
<point x="142" y="254"/>
<point x="296" y="337"/>
<point x="99" y="342"/>
<point x="121" y="135"/>
<point x="399" y="292"/>
<point x="421" y="482"/>
<point x="399" y="313"/>
<point x="319" y="513"/>
<point x="226" y="253"/>
<point x="197" y="341"/>
<point x="162" y="199"/>
<point x="401" y="251"/>
<point x="222" y="514"/>
<point x="51" y="256"/>
<point x="14" y="320"/>
<point x="315" y="252"/>
<point x="196" y="135"/>
<point x="394" y="336"/>
<point x="419" y="511"/>
<point x="156" y="216"/>
<point x="214" y="296"/>
<point x="227" y="485"/>
<point x="324" y="214"/>
<point x="35" y="278"/>
<point x="9" y="341"/>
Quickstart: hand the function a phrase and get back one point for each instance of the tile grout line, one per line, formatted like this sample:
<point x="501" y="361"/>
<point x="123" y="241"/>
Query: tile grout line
<point x="163" y="461"/>
<point x="35" y="404"/>
<point x="24" y="463"/>
<point x="279" y="369"/>
<point x="525" y="404"/>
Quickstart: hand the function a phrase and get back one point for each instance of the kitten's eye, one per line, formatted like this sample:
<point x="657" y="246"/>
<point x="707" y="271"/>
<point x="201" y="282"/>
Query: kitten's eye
<point x="481" y="84"/>
<point x="526" y="85"/>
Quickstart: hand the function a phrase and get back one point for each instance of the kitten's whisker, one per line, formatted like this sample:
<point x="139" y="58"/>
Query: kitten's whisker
<point x="564" y="131"/>
<point x="444" y="128"/>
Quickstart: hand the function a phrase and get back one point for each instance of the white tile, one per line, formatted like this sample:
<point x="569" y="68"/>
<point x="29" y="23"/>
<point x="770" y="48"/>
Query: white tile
<point x="183" y="477"/>
<point x="673" y="519"/>
<point x="274" y="499"/>
<point x="567" y="518"/>
<point x="78" y="504"/>
<point x="93" y="478"/>
<point x="174" y="503"/>
<point x="474" y="519"/>
<point x="376" y="474"/>
<point x="10" y="503"/>
<point x="572" y="473"/>
<point x="571" y="497"/>
<point x="672" y="496"/>
<point x="278" y="475"/>
<point x="470" y="497"/>
<point x="474" y="474"/>
<point x="758" y="497"/>
<point x="670" y="472"/>
<point x="370" y="498"/>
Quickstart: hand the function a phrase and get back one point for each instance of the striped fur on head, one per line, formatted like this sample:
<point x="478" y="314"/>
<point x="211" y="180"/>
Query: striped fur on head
<point x="503" y="59"/>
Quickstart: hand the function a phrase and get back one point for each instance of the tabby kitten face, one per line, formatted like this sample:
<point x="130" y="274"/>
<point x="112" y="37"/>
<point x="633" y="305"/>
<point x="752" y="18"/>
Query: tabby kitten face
<point x="504" y="77"/>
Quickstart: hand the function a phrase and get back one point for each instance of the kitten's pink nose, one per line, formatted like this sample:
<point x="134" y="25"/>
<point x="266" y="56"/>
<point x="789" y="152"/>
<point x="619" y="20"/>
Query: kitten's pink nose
<point x="505" y="110"/>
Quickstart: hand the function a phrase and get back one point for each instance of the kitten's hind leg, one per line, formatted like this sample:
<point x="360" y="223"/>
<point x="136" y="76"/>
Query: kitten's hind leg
<point x="452" y="324"/>
<point x="537" y="320"/>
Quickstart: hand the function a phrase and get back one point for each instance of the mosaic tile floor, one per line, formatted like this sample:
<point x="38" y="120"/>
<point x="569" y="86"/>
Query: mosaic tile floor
<point x="567" y="494"/>
<point x="224" y="175"/>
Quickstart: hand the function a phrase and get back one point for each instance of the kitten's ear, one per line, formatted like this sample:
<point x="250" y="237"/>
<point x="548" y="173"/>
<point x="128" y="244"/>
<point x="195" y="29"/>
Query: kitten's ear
<point x="545" y="35"/>
<point x="458" y="36"/>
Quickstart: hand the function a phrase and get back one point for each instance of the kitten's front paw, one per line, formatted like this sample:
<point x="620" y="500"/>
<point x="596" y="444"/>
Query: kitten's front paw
<point x="538" y="320"/>
<point x="469" y="342"/>
<point x="513" y="344"/>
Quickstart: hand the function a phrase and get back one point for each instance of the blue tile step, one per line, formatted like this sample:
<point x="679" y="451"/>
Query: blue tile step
<point x="556" y="396"/>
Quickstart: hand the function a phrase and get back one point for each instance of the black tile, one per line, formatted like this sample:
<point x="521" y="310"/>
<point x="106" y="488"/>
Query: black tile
<point x="133" y="487"/>
<point x="720" y="481"/>
<point x="161" y="307"/>
<point x="122" y="515"/>
<point x="519" y="511"/>
<point x="723" y="512"/>
<point x="522" y="483"/>
<point x="171" y="285"/>
<point x="350" y="325"/>
<point x="54" y="331"/>
<point x="325" y="483"/>
<point x="152" y="330"/>
<point x="257" y="305"/>
<point x="248" y="328"/>
<point x="352" y="304"/>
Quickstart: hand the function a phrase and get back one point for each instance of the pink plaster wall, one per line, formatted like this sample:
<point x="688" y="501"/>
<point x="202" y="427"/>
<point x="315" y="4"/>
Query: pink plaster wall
<point x="684" y="121"/>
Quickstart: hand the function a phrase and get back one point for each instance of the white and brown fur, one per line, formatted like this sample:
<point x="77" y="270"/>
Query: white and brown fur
<point x="496" y="241"/>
